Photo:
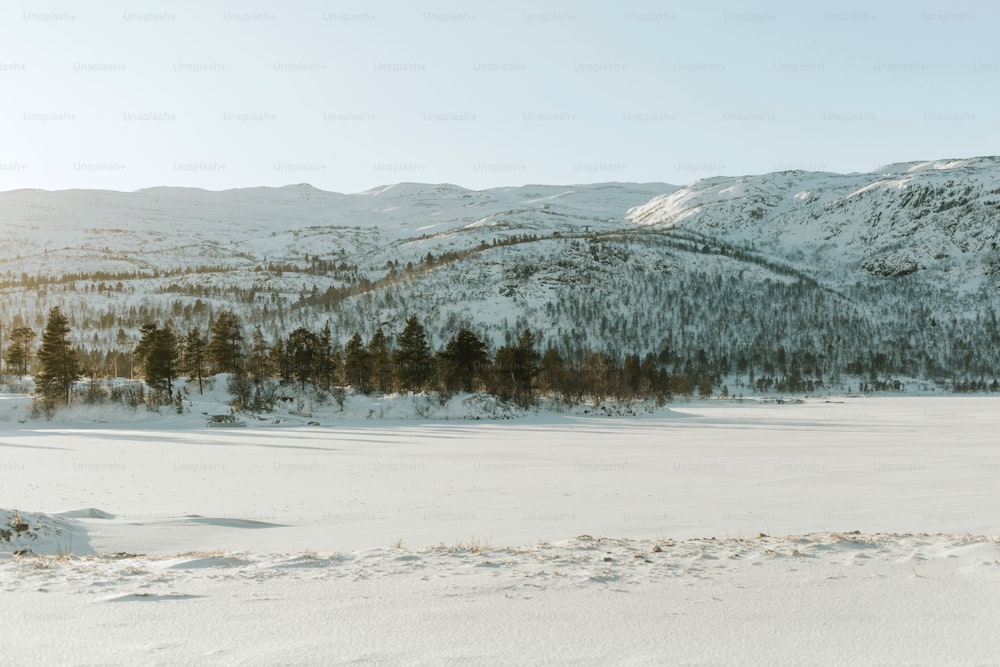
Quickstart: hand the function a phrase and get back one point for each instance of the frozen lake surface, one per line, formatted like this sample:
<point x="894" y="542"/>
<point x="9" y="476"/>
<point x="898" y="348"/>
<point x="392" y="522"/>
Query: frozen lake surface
<point x="861" y="530"/>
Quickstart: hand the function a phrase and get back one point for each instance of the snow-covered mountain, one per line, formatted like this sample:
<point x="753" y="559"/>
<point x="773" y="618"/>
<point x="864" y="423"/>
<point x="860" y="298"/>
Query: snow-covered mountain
<point x="150" y="248"/>
<point x="899" y="219"/>
<point x="73" y="231"/>
<point x="893" y="272"/>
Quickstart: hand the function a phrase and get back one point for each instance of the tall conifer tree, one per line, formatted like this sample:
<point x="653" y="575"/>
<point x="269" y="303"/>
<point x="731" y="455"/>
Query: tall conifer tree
<point x="60" y="368"/>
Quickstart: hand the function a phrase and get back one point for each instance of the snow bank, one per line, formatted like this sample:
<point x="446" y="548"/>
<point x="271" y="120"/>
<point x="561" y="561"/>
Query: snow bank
<point x="23" y="533"/>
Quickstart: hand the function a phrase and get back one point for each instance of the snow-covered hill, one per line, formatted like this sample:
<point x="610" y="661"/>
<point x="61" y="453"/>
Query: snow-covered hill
<point x="74" y="231"/>
<point x="888" y="273"/>
<point x="149" y="249"/>
<point x="900" y="219"/>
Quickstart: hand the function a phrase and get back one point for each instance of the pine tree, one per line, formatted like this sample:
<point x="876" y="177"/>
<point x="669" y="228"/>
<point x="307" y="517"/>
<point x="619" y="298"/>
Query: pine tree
<point x="157" y="349"/>
<point x="58" y="360"/>
<point x="414" y="365"/>
<point x="226" y="347"/>
<point x="381" y="362"/>
<point x="19" y="353"/>
<point x="122" y="343"/>
<point x="515" y="369"/>
<point x="260" y="356"/>
<point x="301" y="353"/>
<point x="328" y="363"/>
<point x="279" y="360"/>
<point x="462" y="362"/>
<point x="194" y="356"/>
<point x="357" y="364"/>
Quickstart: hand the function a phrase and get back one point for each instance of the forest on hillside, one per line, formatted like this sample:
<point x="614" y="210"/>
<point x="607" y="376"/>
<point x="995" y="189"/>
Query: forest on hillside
<point x="519" y="371"/>
<point x="784" y="283"/>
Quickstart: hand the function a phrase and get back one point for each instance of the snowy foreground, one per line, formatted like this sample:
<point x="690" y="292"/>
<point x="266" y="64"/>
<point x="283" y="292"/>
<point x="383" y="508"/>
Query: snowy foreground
<point x="863" y="531"/>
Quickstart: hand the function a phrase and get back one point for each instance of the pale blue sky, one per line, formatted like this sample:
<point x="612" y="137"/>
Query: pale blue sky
<point x="348" y="96"/>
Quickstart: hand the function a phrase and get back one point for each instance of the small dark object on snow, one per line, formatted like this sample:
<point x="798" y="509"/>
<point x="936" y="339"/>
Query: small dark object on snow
<point x="225" y="420"/>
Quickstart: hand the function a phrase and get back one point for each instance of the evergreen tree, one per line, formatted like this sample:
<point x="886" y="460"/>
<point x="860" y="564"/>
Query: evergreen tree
<point x="157" y="349"/>
<point x="279" y="360"/>
<point x="414" y="365"/>
<point x="381" y="362"/>
<point x="58" y="360"/>
<point x="261" y="371"/>
<point x="260" y="357"/>
<point x="300" y="354"/>
<point x="226" y="347"/>
<point x="357" y="364"/>
<point x="515" y="369"/>
<point x="462" y="362"/>
<point x="327" y="361"/>
<point x="19" y="353"/>
<point x="194" y="357"/>
<point x="123" y="343"/>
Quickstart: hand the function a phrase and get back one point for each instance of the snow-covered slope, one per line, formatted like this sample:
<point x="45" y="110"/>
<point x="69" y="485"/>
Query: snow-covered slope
<point x="154" y="252"/>
<point x="71" y="231"/>
<point x="902" y="264"/>
<point x="897" y="220"/>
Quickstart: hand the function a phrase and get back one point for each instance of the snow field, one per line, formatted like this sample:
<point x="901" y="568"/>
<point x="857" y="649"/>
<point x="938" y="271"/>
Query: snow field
<point x="831" y="531"/>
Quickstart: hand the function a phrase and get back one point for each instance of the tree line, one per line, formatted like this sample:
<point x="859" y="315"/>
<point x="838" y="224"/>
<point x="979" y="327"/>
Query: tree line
<point x="521" y="371"/>
<point x="312" y="361"/>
